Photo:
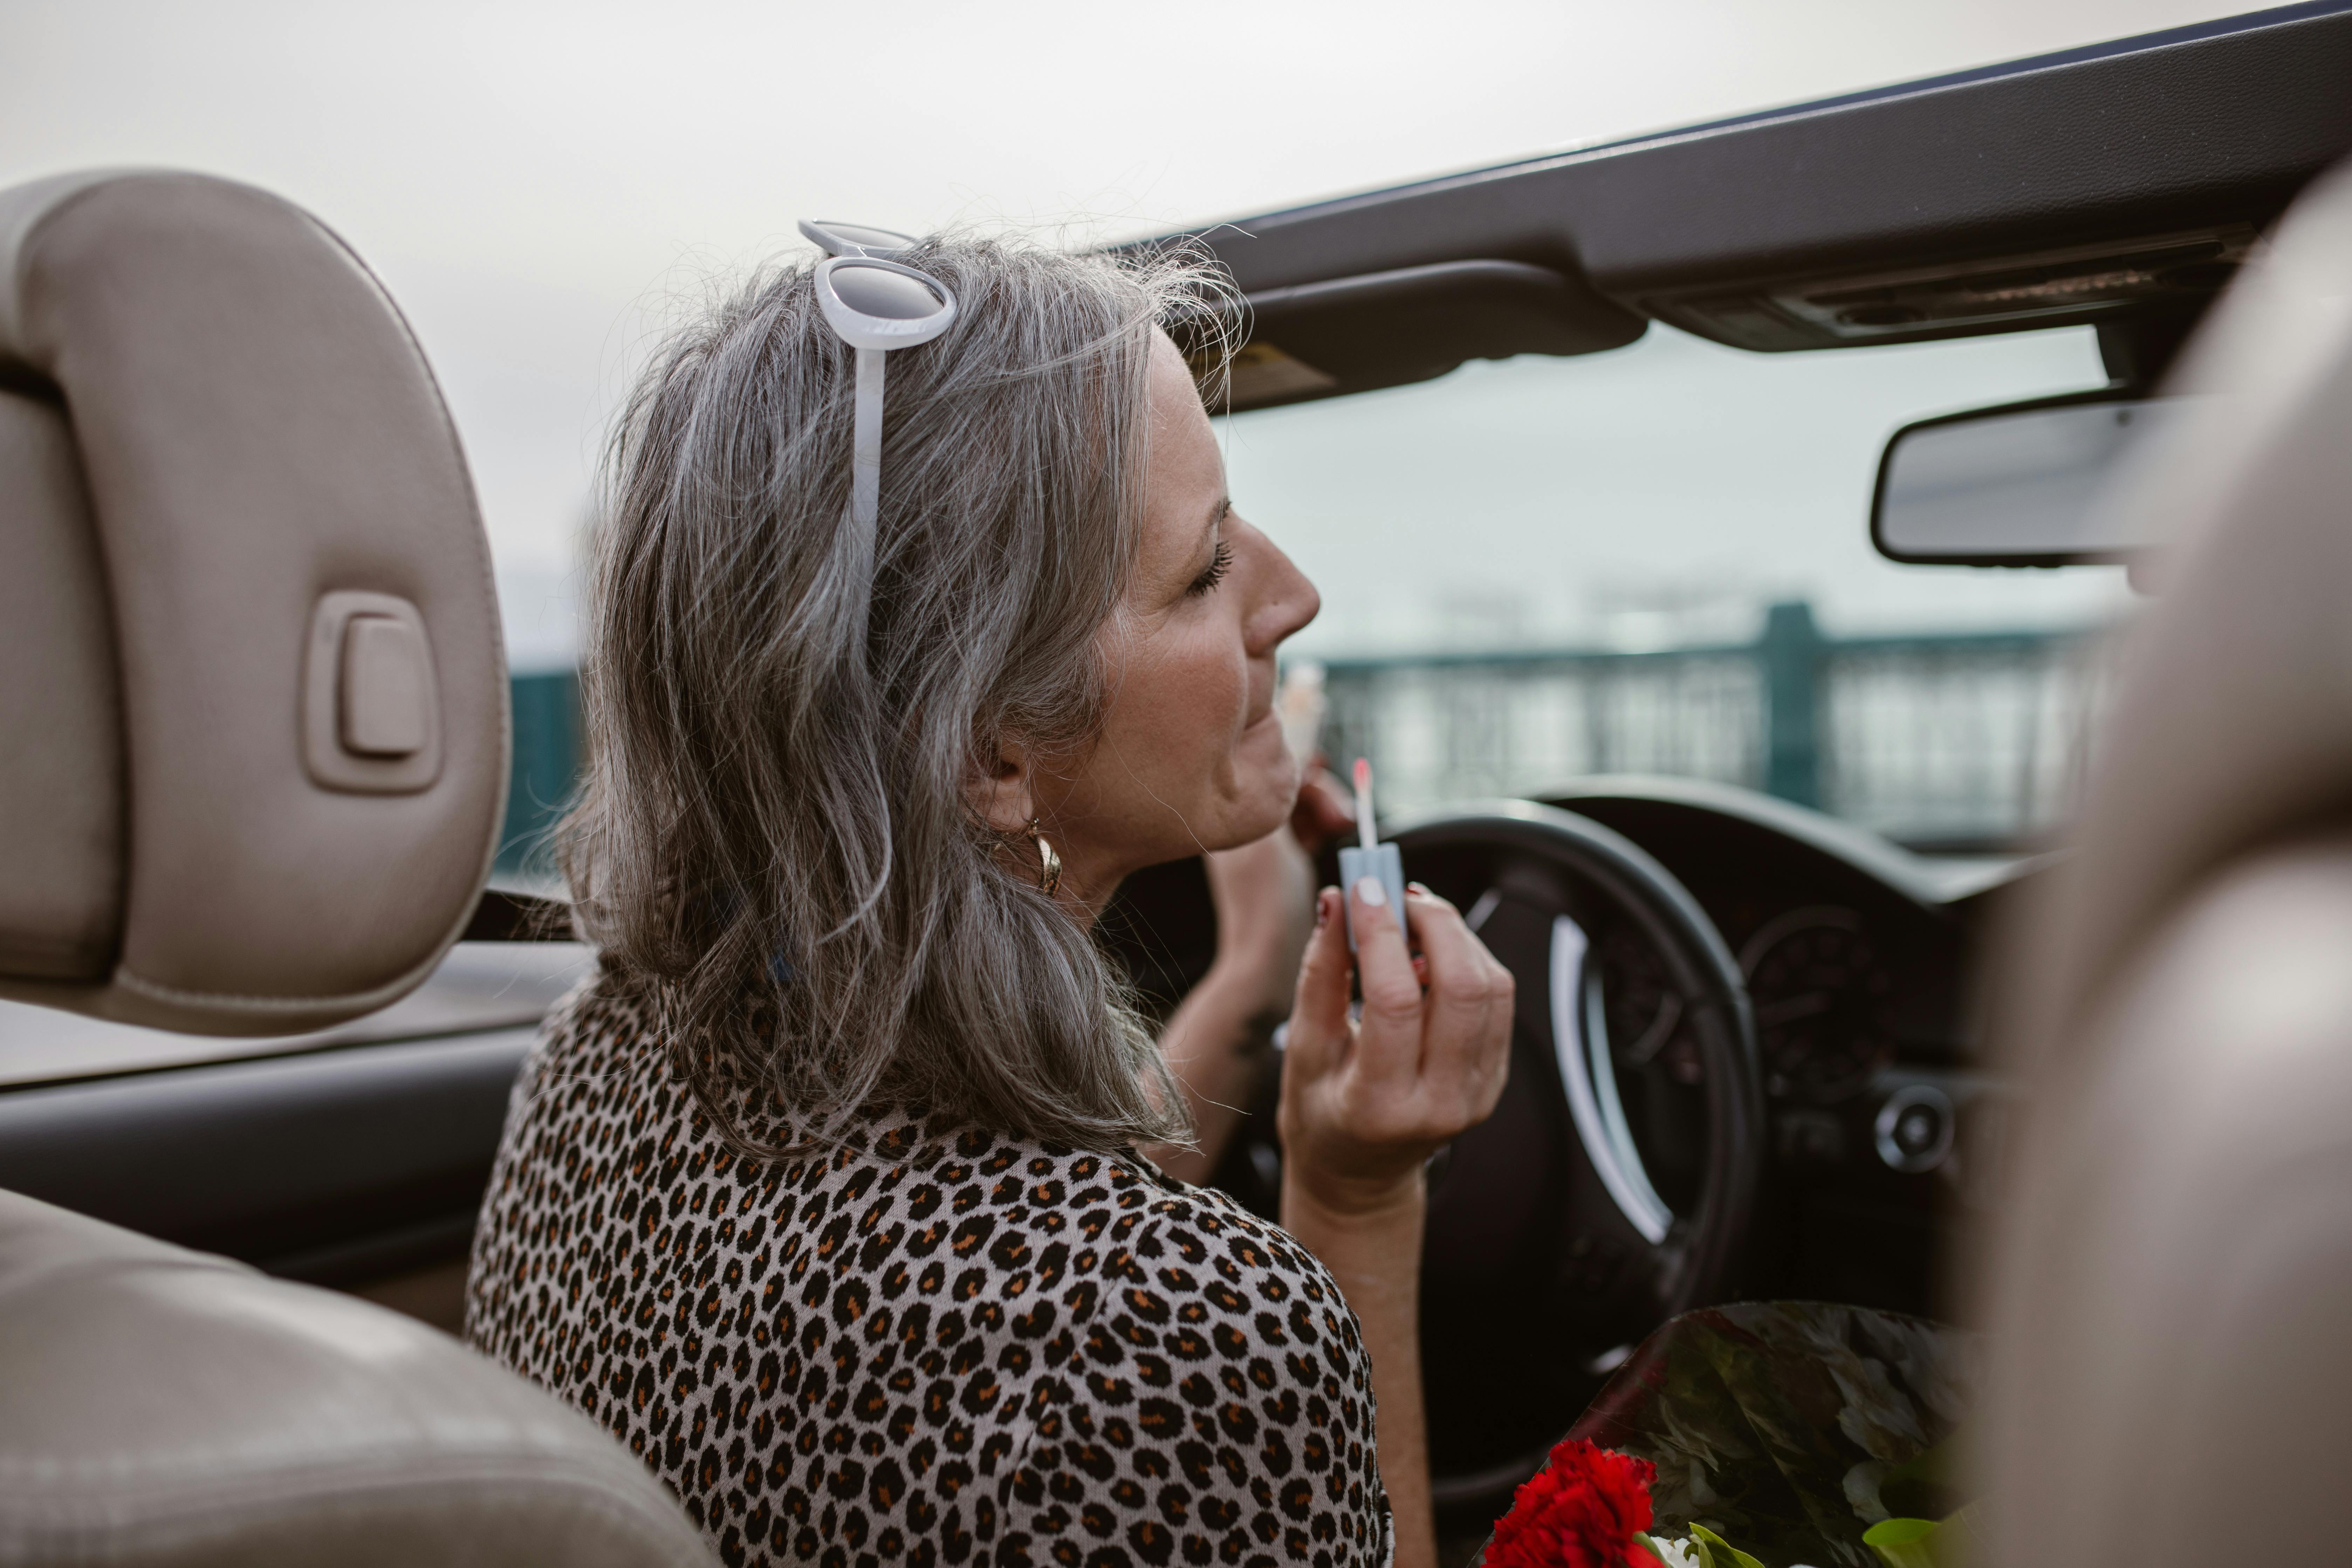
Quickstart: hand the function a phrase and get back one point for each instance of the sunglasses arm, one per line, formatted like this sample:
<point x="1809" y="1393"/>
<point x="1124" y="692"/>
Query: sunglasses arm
<point x="866" y="453"/>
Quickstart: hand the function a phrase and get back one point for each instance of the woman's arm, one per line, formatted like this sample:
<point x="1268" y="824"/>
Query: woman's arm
<point x="1217" y="1039"/>
<point x="1363" y="1107"/>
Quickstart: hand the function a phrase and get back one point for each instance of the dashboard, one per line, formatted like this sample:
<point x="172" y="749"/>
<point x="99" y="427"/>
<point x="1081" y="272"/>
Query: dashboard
<point x="1861" y="962"/>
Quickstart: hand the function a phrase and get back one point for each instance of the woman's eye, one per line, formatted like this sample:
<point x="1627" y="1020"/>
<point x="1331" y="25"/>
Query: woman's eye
<point x="1215" y="573"/>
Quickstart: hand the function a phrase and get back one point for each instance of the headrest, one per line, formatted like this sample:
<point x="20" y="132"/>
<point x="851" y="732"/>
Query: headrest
<point x="253" y="700"/>
<point x="2231" y="726"/>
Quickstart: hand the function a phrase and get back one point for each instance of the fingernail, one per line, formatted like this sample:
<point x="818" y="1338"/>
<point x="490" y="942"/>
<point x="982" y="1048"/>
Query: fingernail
<point x="1369" y="890"/>
<point x="1419" y="888"/>
<point x="1322" y="912"/>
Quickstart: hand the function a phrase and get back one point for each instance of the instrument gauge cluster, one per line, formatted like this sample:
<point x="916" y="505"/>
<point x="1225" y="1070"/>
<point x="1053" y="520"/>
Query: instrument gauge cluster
<point x="1821" y="996"/>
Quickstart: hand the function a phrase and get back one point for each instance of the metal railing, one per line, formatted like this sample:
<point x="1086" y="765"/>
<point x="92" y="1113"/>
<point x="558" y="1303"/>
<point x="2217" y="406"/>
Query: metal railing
<point x="1955" y="739"/>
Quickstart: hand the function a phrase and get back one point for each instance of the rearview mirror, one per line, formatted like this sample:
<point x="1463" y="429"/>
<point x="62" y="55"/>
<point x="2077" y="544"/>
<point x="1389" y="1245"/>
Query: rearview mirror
<point x="2018" y="485"/>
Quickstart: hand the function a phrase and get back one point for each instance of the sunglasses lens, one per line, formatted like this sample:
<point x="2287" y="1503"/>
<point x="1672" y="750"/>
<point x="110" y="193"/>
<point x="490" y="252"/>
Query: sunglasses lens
<point x="893" y="296"/>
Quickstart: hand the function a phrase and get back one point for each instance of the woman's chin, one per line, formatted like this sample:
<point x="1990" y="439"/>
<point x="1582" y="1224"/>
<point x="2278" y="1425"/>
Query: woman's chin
<point x="1269" y="791"/>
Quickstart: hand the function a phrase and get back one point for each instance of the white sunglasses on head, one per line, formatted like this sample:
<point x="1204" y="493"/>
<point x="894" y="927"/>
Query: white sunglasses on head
<point x="876" y="305"/>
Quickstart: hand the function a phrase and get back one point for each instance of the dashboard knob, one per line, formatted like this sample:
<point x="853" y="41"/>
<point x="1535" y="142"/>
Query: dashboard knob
<point x="1914" y="1128"/>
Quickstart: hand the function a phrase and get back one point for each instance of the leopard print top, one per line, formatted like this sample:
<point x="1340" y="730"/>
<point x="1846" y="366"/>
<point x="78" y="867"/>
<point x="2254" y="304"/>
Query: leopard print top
<point x="933" y="1346"/>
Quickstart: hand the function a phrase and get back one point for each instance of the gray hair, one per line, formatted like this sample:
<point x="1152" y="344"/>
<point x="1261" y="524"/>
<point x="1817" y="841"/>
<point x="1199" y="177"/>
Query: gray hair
<point x="773" y="834"/>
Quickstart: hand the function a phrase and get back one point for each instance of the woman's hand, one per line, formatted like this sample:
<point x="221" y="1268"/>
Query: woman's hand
<point x="1364" y="1103"/>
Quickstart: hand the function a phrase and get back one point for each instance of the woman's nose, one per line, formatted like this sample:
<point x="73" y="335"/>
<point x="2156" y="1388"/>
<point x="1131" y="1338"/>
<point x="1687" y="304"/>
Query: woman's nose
<point x="1288" y="602"/>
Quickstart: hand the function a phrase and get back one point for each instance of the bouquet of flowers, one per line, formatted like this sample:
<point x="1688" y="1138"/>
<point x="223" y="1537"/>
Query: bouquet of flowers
<point x="1805" y="1432"/>
<point x="1589" y="1506"/>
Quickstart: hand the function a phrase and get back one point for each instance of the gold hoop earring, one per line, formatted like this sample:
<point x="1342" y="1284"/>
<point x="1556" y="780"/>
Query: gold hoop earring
<point x="1049" y="864"/>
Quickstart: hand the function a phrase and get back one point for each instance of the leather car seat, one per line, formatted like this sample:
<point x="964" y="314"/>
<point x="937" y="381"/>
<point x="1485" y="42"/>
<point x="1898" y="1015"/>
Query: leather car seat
<point x="162" y="1406"/>
<point x="2170" y="1283"/>
<point x="253" y="756"/>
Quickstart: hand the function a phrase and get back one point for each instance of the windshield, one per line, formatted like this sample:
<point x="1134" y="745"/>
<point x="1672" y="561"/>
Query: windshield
<point x="1658" y="560"/>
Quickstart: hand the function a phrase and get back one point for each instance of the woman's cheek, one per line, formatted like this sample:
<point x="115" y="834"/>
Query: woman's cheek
<point x="1211" y="685"/>
<point x="1194" y="726"/>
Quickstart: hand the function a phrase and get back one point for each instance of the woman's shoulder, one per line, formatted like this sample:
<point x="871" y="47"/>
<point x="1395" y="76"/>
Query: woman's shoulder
<point x="1209" y="1225"/>
<point x="1264" y="1291"/>
<point x="1120" y="1197"/>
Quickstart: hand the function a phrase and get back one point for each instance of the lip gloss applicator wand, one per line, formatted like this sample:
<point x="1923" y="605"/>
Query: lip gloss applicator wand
<point x="1369" y="857"/>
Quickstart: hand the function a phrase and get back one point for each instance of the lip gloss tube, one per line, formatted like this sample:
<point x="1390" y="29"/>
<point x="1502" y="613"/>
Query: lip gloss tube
<point x="1369" y="857"/>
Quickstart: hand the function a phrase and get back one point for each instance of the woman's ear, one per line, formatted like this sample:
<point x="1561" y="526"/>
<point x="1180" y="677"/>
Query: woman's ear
<point x="999" y="787"/>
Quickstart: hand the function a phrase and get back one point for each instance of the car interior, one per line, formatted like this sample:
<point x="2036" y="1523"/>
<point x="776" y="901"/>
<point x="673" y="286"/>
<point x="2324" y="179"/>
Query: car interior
<point x="2090" y="1097"/>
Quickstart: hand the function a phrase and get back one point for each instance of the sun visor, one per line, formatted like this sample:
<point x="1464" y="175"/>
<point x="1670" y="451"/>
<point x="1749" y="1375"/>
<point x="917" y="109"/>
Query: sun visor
<point x="1387" y="329"/>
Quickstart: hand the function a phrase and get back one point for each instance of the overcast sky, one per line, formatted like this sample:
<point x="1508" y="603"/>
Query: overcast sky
<point x="538" y="183"/>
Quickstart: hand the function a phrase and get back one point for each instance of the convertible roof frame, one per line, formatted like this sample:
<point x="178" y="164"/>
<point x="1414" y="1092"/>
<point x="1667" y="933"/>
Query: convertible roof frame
<point x="2122" y="180"/>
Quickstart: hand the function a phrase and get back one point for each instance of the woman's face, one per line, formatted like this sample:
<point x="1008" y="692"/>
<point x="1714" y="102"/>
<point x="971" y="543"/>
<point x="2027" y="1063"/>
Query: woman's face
<point x="1190" y="756"/>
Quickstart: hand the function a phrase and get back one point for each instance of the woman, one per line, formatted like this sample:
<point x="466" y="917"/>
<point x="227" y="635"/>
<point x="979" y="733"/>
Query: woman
<point x="822" y="1195"/>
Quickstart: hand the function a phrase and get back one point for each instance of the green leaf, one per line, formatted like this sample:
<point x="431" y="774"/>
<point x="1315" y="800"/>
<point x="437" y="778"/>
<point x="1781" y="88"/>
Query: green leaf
<point x="1924" y="1487"/>
<point x="1707" y="1540"/>
<point x="1903" y="1542"/>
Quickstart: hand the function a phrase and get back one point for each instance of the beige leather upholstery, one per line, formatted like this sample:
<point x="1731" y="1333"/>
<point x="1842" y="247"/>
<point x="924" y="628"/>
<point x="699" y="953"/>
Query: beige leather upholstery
<point x="252" y="722"/>
<point x="2171" y="1287"/>
<point x="163" y="1408"/>
<point x="60" y="717"/>
<point x="253" y="742"/>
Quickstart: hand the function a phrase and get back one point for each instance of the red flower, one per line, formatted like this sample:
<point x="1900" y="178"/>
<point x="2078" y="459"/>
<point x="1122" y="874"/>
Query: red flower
<point x="1582" y="1511"/>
